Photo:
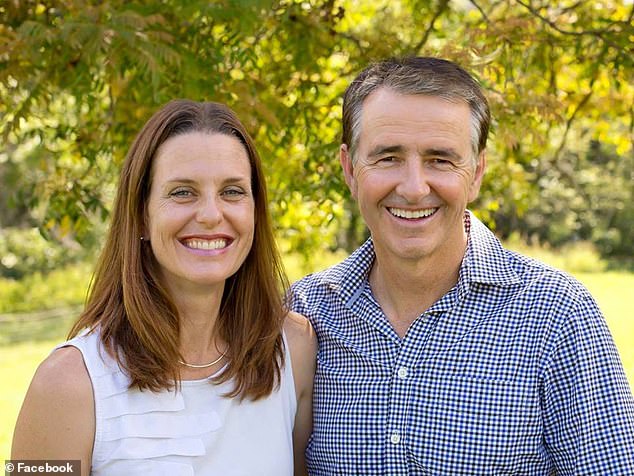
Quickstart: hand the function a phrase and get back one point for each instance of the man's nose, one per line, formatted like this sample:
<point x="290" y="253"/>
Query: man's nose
<point x="414" y="184"/>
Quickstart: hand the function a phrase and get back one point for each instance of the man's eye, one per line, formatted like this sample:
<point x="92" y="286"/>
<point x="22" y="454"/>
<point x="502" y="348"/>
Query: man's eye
<point x="387" y="159"/>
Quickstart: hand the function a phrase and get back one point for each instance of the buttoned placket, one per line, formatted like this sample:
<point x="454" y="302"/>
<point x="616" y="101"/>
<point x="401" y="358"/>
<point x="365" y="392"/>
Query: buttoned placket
<point x="396" y="428"/>
<point x="407" y="355"/>
<point x="411" y="350"/>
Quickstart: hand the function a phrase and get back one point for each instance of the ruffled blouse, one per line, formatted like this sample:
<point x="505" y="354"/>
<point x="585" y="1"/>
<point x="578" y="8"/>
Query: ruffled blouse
<point x="191" y="431"/>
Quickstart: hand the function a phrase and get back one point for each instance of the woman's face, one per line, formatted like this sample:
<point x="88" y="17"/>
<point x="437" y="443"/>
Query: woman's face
<point x="201" y="209"/>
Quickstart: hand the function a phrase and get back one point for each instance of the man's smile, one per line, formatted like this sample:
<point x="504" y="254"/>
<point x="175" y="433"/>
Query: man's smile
<point x="412" y="214"/>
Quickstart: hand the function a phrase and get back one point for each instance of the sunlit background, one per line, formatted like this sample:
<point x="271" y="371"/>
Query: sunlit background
<point x="78" y="79"/>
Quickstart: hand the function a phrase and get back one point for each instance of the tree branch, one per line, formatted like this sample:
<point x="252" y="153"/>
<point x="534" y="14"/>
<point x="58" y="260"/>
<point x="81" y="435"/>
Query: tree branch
<point x="571" y="119"/>
<point x="442" y="6"/>
<point x="596" y="33"/>
<point x="482" y="12"/>
<point x="578" y="107"/>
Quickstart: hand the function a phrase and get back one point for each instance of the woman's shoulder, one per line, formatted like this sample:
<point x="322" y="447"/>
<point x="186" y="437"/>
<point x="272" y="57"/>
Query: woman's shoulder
<point x="300" y="333"/>
<point x="302" y="344"/>
<point x="63" y="374"/>
<point x="57" y="415"/>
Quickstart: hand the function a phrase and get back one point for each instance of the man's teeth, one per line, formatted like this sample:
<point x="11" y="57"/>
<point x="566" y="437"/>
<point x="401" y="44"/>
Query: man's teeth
<point x="206" y="244"/>
<point x="401" y="213"/>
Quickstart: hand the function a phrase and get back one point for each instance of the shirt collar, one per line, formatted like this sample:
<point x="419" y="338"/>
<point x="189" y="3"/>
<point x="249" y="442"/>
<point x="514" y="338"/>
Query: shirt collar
<point x="348" y="278"/>
<point x="485" y="261"/>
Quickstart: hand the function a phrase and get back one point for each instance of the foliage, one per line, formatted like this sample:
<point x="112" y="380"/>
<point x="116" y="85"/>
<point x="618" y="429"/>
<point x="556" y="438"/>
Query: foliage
<point x="577" y="257"/>
<point x="297" y="265"/>
<point x="594" y="204"/>
<point x="25" y="250"/>
<point x="78" y="78"/>
<point x="63" y="287"/>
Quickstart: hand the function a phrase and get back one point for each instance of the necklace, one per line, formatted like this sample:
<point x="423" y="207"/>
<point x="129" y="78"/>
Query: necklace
<point x="202" y="366"/>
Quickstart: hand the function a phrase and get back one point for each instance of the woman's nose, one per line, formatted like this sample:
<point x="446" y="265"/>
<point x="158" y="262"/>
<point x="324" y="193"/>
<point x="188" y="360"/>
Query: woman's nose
<point x="209" y="211"/>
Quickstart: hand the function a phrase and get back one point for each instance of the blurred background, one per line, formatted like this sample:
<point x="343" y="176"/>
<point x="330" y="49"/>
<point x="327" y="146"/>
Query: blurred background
<point x="79" y="78"/>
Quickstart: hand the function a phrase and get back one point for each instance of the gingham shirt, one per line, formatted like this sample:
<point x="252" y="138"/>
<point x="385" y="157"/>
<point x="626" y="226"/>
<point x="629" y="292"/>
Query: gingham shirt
<point x="513" y="371"/>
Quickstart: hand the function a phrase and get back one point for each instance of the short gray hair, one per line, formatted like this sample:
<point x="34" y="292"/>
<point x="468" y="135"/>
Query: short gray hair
<point x="418" y="76"/>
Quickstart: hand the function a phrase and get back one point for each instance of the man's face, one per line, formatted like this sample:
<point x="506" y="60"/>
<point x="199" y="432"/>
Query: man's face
<point x="414" y="174"/>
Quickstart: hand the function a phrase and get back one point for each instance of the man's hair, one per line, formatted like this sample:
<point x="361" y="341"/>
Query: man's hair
<point x="417" y="76"/>
<point x="130" y="305"/>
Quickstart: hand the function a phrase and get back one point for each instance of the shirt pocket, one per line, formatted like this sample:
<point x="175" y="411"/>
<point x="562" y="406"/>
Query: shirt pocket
<point x="474" y="425"/>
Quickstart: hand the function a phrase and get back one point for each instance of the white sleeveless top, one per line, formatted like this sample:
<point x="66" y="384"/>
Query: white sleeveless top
<point x="194" y="431"/>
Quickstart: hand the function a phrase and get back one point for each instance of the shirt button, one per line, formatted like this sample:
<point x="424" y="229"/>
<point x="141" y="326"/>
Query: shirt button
<point x="395" y="438"/>
<point x="402" y="372"/>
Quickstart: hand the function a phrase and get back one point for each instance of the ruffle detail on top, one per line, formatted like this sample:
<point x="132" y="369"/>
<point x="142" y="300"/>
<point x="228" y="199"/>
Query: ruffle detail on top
<point x="139" y="429"/>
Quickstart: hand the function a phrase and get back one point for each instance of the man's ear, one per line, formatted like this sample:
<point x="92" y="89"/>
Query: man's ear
<point x="346" y="164"/>
<point x="476" y="182"/>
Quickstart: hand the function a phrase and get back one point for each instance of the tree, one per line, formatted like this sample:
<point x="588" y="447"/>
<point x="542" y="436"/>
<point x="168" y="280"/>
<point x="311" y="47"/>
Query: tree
<point x="78" y="78"/>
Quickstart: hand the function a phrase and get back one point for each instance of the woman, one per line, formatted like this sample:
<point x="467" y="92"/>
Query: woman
<point x="181" y="361"/>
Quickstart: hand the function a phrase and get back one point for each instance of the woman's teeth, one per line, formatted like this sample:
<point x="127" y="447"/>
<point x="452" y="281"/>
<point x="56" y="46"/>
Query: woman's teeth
<point x="206" y="244"/>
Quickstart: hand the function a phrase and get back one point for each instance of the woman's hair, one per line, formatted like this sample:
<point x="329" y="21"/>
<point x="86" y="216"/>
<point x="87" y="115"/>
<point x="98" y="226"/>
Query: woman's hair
<point x="131" y="307"/>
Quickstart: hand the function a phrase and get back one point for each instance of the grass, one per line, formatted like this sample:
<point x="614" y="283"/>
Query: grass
<point x="17" y="366"/>
<point x="612" y="292"/>
<point x="18" y="361"/>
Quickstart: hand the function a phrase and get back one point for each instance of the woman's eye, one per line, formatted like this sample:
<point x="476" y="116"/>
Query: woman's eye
<point x="181" y="193"/>
<point x="233" y="192"/>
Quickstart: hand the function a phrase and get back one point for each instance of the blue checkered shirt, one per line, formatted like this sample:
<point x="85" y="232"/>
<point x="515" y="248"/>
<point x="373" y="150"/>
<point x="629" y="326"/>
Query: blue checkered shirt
<point x="512" y="372"/>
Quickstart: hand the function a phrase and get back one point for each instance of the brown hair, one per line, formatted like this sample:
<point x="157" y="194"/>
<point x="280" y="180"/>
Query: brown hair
<point x="138" y="320"/>
<point x="416" y="75"/>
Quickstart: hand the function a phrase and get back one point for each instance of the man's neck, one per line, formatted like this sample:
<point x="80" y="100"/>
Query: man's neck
<point x="406" y="289"/>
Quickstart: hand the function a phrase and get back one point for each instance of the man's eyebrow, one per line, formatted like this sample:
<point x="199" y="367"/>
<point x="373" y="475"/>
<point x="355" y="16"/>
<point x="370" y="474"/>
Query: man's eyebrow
<point x="449" y="153"/>
<point x="436" y="152"/>
<point x="385" y="149"/>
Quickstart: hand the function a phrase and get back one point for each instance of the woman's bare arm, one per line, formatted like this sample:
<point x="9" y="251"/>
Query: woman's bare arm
<point x="57" y="419"/>
<point x="303" y="347"/>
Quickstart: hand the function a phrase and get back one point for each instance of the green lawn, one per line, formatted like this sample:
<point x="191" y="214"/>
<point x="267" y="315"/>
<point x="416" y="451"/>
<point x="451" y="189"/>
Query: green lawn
<point x="613" y="292"/>
<point x="19" y="361"/>
<point x="17" y="365"/>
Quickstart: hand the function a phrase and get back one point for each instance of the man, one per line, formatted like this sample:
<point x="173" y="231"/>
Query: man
<point x="440" y="352"/>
